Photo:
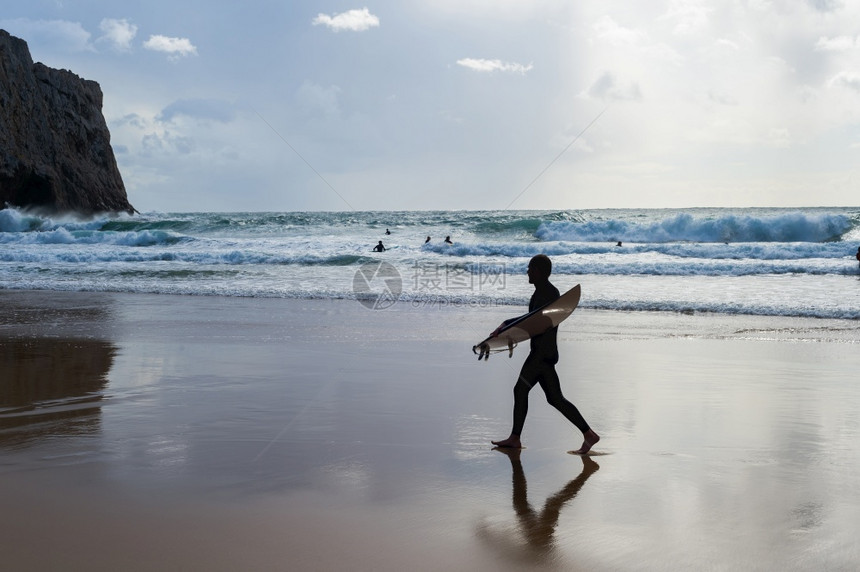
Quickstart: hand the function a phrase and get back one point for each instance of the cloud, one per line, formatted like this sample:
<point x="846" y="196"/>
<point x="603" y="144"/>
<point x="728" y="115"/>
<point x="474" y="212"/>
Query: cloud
<point x="837" y="44"/>
<point x="721" y="98"/>
<point x="317" y="99"/>
<point x="166" y="144"/>
<point x="176" y="47"/>
<point x="779" y="137"/>
<point x="60" y="35"/>
<point x="607" y="29"/>
<point x="117" y="33"/>
<point x="848" y="80"/>
<point x="206" y="109"/>
<point x="352" y="20"/>
<point x="607" y="88"/>
<point x="488" y="66"/>
<point x="724" y="43"/>
<point x="133" y="119"/>
<point x="689" y="17"/>
<point x="826" y="5"/>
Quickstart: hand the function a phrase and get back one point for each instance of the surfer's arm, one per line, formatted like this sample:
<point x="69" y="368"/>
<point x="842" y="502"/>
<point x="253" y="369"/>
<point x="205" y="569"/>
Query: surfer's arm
<point x="505" y="324"/>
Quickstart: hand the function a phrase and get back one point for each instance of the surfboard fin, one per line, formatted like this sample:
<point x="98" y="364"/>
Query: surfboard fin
<point x="511" y="347"/>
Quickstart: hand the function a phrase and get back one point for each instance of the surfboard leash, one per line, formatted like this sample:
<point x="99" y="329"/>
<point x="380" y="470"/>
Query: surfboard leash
<point x="485" y="350"/>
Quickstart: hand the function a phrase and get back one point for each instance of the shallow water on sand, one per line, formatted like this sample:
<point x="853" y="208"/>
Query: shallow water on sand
<point x="227" y="433"/>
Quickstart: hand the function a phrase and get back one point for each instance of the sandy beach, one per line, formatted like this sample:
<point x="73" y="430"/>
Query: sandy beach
<point x="152" y="432"/>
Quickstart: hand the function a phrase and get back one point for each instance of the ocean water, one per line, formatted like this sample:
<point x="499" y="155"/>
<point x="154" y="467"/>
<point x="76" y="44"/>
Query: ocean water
<point x="780" y="262"/>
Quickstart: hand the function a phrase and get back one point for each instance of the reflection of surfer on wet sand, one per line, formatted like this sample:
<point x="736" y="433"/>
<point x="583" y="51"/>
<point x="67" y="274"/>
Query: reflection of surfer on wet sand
<point x="537" y="528"/>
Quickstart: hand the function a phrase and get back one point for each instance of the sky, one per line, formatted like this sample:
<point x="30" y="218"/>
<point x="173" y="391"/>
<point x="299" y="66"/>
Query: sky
<point x="467" y="104"/>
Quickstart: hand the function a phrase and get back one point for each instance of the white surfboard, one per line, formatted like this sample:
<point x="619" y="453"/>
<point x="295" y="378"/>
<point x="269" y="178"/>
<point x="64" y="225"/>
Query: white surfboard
<point x="530" y="325"/>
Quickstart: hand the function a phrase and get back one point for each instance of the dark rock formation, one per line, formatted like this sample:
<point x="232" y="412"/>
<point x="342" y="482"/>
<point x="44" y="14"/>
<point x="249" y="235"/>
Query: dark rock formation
<point x="55" y="152"/>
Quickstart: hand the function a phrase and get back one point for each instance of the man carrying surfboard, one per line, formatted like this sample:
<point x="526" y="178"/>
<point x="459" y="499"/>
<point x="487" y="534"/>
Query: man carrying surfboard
<point x="539" y="366"/>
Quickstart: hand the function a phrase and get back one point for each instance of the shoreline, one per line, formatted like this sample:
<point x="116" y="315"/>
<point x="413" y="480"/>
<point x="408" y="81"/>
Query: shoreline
<point x="592" y="317"/>
<point x="777" y="296"/>
<point x="153" y="431"/>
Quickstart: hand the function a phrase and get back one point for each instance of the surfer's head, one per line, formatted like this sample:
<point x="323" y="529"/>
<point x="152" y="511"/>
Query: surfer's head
<point x="540" y="267"/>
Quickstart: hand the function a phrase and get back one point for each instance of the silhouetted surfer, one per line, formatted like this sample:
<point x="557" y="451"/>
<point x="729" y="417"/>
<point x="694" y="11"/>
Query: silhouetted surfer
<point x="448" y="240"/>
<point x="428" y="240"/>
<point x="379" y="247"/>
<point x="387" y="231"/>
<point x="858" y="254"/>
<point x="539" y="366"/>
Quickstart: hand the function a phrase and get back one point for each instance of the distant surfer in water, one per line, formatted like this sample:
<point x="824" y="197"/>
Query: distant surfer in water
<point x="379" y="247"/>
<point x="539" y="366"/>
<point x="858" y="254"/>
<point x="448" y="240"/>
<point x="428" y="240"/>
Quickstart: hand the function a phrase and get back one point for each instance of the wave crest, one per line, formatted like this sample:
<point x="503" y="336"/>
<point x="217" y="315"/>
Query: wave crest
<point x="684" y="227"/>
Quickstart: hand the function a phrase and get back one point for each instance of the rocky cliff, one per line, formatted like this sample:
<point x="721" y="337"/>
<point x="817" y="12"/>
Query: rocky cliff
<point x="55" y="151"/>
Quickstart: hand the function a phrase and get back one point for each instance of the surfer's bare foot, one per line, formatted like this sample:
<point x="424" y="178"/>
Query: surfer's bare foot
<point x="590" y="439"/>
<point x="513" y="442"/>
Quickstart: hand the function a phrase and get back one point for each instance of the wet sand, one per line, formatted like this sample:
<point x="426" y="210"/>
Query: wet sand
<point x="146" y="432"/>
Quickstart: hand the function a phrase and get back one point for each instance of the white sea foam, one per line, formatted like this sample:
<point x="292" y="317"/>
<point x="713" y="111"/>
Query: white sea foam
<point x="787" y="227"/>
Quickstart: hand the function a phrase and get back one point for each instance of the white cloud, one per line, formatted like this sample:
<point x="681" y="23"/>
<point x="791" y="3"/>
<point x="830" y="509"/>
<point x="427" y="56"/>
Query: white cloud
<point x="481" y="65"/>
<point x="352" y="20"/>
<point x="607" y="29"/>
<point x="721" y="98"/>
<point x="166" y="143"/>
<point x="176" y="47"/>
<point x="317" y="99"/>
<point x="132" y="119"/>
<point x="837" y="44"/>
<point x="724" y="43"/>
<point x="199" y="109"/>
<point x="117" y="33"/>
<point x="849" y="80"/>
<point x="606" y="88"/>
<point x="826" y="5"/>
<point x="53" y="34"/>
<point x="689" y="17"/>
<point x="779" y="137"/>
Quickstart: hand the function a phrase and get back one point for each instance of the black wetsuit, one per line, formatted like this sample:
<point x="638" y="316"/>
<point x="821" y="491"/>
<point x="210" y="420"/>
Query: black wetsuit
<point x="539" y="367"/>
